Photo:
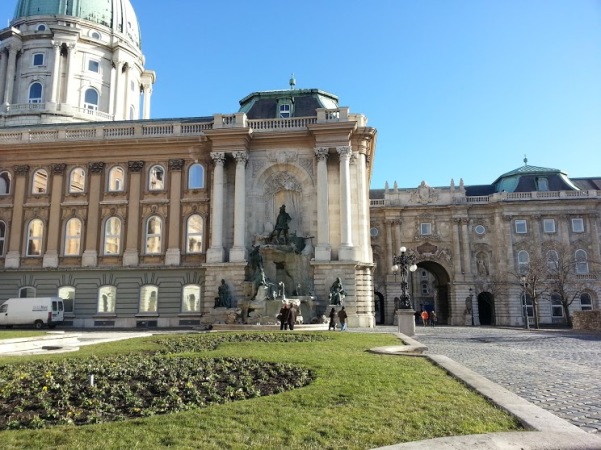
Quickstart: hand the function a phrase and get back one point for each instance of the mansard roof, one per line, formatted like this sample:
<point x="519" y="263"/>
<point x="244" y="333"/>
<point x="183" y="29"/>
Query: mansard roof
<point x="303" y="103"/>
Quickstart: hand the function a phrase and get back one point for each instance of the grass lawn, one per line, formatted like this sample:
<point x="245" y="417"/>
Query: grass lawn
<point x="12" y="334"/>
<point x="359" y="400"/>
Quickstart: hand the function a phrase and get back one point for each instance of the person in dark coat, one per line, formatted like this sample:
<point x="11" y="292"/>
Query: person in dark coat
<point x="291" y="316"/>
<point x="342" y="316"/>
<point x="332" y="325"/>
<point x="284" y="313"/>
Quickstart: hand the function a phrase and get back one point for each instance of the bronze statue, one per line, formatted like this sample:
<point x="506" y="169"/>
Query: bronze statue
<point x="281" y="225"/>
<point x="337" y="292"/>
<point x="224" y="297"/>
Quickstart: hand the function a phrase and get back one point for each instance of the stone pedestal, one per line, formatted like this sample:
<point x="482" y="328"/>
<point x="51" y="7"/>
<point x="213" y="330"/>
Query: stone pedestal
<point x="406" y="321"/>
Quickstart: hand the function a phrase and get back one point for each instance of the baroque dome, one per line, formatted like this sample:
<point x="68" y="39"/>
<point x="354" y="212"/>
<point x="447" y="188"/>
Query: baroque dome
<point x="118" y="15"/>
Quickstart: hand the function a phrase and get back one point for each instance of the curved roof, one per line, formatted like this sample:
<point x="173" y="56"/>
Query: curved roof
<point x="116" y="14"/>
<point x="525" y="178"/>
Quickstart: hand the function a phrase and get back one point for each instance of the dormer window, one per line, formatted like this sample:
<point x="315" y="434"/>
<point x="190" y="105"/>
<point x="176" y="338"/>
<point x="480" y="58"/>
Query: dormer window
<point x="285" y="111"/>
<point x="542" y="184"/>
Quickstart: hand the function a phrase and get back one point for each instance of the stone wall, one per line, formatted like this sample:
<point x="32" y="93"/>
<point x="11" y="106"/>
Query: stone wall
<point x="586" y="320"/>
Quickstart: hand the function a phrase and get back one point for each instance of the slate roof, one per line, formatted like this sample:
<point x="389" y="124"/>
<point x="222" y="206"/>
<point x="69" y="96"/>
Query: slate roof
<point x="264" y="104"/>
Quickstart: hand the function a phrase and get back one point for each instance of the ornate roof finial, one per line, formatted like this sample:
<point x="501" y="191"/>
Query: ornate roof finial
<point x="525" y="160"/>
<point x="292" y="82"/>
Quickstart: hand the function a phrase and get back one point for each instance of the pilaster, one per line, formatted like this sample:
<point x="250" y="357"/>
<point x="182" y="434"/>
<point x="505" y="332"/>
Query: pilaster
<point x="173" y="253"/>
<point x="131" y="255"/>
<point x="323" y="250"/>
<point x="346" y="252"/>
<point x="238" y="251"/>
<point x="13" y="256"/>
<point x="54" y="233"/>
<point x="216" y="253"/>
<point x="90" y="254"/>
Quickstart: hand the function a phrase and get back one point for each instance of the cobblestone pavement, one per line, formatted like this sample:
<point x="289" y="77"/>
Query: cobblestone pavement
<point x="558" y="370"/>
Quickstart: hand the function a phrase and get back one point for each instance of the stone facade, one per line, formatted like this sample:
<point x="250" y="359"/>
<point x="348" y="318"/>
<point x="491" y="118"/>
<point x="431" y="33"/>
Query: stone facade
<point x="587" y="320"/>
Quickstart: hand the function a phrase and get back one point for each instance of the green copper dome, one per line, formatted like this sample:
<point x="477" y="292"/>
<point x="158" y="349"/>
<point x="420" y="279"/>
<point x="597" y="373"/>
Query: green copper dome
<point x="116" y="14"/>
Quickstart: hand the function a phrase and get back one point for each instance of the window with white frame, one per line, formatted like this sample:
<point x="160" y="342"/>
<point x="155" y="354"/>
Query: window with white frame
<point x="523" y="261"/>
<point x="91" y="99"/>
<point x="586" y="303"/>
<point x="2" y="237"/>
<point x="425" y="228"/>
<point x="552" y="261"/>
<point x="196" y="176"/>
<point x="578" y="225"/>
<point x="556" y="306"/>
<point x="116" y="179"/>
<point x="194" y="234"/>
<point x="107" y="299"/>
<point x="191" y="298"/>
<point x="40" y="182"/>
<point x="149" y="297"/>
<point x="94" y="65"/>
<point x="38" y="59"/>
<point x="156" y="179"/>
<point x="35" y="93"/>
<point x="112" y="236"/>
<point x="27" y="292"/>
<point x="285" y="111"/>
<point x="77" y="181"/>
<point x="549" y="225"/>
<point x="542" y="183"/>
<point x="154" y="232"/>
<point x="95" y="35"/>
<point x="35" y="236"/>
<point x="521" y="226"/>
<point x="581" y="262"/>
<point x="73" y="237"/>
<point x="67" y="293"/>
<point x="4" y="183"/>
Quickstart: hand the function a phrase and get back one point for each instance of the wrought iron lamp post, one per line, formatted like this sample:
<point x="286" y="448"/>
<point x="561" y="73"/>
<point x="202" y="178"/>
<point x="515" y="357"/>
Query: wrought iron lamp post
<point x="525" y="302"/>
<point x="402" y="264"/>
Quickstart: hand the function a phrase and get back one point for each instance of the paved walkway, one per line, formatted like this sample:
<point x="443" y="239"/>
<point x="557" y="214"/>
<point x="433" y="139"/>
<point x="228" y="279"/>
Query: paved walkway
<point x="560" y="371"/>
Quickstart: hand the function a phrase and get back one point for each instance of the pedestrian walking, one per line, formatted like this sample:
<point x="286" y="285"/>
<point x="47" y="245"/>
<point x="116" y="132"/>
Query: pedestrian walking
<point x="425" y="317"/>
<point x="291" y="317"/>
<point x="342" y="316"/>
<point x="433" y="318"/>
<point x="332" y="324"/>
<point x="284" y="313"/>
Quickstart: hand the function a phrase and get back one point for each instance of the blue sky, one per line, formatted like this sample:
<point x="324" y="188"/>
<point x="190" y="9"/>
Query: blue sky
<point x="456" y="88"/>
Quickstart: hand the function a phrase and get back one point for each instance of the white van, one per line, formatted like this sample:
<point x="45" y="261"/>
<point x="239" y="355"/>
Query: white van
<point x="38" y="312"/>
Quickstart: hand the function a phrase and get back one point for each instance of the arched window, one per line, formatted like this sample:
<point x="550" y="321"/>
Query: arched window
<point x="196" y="176"/>
<point x="132" y="113"/>
<point x="40" y="182"/>
<point x="77" y="180"/>
<point x="35" y="236"/>
<point x="154" y="231"/>
<point x="67" y="293"/>
<point x="4" y="183"/>
<point x="112" y="236"/>
<point x="107" y="299"/>
<point x="156" y="179"/>
<point x="35" y="93"/>
<point x="91" y="99"/>
<point x="556" y="306"/>
<point x="586" y="303"/>
<point x="73" y="237"/>
<point x="523" y="260"/>
<point x="552" y="261"/>
<point x="116" y="179"/>
<point x="2" y="237"/>
<point x="149" y="299"/>
<point x="581" y="262"/>
<point x="27" y="292"/>
<point x="194" y="234"/>
<point x="191" y="298"/>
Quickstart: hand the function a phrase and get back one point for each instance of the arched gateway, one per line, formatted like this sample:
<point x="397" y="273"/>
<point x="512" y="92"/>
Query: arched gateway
<point x="431" y="290"/>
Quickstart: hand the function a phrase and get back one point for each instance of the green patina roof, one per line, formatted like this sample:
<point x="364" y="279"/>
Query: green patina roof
<point x="118" y="15"/>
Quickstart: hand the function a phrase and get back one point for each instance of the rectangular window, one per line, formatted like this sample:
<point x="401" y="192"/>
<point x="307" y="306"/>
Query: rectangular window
<point x="94" y="66"/>
<point x="521" y="226"/>
<point x="578" y="225"/>
<point x="425" y="229"/>
<point x="543" y="184"/>
<point x="38" y="59"/>
<point x="284" y="111"/>
<point x="549" y="225"/>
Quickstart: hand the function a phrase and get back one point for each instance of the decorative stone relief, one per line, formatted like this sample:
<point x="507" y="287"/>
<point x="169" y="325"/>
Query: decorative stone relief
<point x="283" y="157"/>
<point x="257" y="165"/>
<point x="21" y="170"/>
<point x="218" y="157"/>
<point x="307" y="165"/>
<point x="176" y="164"/>
<point x="96" y="167"/>
<point x="135" y="166"/>
<point x="424" y="194"/>
<point x="241" y="157"/>
<point x="58" y="169"/>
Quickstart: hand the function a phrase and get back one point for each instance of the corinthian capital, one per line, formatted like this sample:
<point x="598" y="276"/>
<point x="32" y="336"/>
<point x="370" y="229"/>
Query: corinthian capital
<point x="218" y="157"/>
<point x="240" y="157"/>
<point x="321" y="153"/>
<point x="344" y="151"/>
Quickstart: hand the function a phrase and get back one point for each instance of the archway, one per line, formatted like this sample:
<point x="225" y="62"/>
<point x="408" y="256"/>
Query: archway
<point x="486" y="308"/>
<point x="379" y="308"/>
<point x="431" y="289"/>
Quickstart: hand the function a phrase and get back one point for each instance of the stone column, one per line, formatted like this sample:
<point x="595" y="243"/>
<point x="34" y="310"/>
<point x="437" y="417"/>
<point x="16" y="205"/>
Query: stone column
<point x="389" y="246"/>
<point x="363" y="206"/>
<point x="345" y="252"/>
<point x="10" y="74"/>
<point x="55" y="72"/>
<point x="13" y="256"/>
<point x="398" y="237"/>
<point x="146" y="102"/>
<point x="70" y="89"/>
<point x="54" y="231"/>
<point x="238" y="251"/>
<point x="113" y="90"/>
<point x="3" y="67"/>
<point x="459" y="270"/>
<point x="216" y="252"/>
<point x="127" y="96"/>
<point x="118" y="100"/>
<point x="323" y="251"/>
<point x="90" y="254"/>
<point x="594" y="221"/>
<point x="466" y="247"/>
<point x="131" y="256"/>
<point x="173" y="254"/>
